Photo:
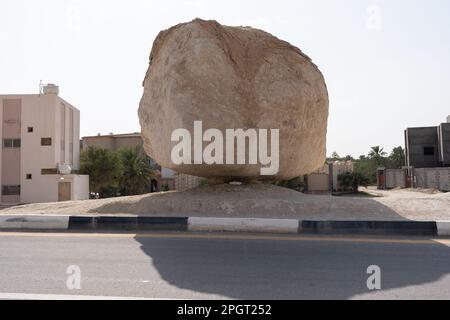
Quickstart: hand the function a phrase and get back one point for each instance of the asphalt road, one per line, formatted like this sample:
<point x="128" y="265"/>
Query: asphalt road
<point x="182" y="266"/>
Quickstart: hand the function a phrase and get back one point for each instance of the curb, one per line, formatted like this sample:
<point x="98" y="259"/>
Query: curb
<point x="34" y="222"/>
<point x="243" y="225"/>
<point x="194" y="224"/>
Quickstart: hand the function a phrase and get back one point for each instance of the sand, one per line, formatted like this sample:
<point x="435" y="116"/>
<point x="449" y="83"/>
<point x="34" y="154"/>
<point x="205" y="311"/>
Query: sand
<point x="259" y="201"/>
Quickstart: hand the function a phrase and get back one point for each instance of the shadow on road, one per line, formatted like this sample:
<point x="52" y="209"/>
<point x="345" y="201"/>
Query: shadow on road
<point x="263" y="269"/>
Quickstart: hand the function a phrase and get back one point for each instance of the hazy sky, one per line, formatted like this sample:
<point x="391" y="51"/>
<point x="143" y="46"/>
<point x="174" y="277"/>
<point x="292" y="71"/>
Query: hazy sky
<point x="386" y="63"/>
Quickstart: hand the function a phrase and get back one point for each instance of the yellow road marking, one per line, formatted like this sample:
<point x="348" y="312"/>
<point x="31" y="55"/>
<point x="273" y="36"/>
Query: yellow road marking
<point x="227" y="237"/>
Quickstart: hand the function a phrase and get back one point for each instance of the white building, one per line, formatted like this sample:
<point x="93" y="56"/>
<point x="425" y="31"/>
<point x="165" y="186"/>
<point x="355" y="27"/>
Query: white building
<point x="40" y="149"/>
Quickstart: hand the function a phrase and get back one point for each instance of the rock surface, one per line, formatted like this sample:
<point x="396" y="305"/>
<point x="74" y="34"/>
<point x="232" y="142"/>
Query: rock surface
<point x="233" y="78"/>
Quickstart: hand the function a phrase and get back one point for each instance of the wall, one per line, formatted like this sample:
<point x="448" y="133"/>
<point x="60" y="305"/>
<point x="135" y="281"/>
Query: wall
<point x="41" y="189"/>
<point x="318" y="182"/>
<point x="395" y="178"/>
<point x="67" y="133"/>
<point x="185" y="182"/>
<point x="80" y="187"/>
<point x="433" y="178"/>
<point x="112" y="142"/>
<point x="444" y="144"/>
<point x="10" y="163"/>
<point x="418" y="138"/>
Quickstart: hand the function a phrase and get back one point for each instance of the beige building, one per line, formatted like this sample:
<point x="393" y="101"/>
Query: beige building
<point x="112" y="141"/>
<point x="40" y="149"/>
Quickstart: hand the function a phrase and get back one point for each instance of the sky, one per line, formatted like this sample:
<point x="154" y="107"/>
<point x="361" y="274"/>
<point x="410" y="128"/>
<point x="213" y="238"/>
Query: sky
<point x="386" y="63"/>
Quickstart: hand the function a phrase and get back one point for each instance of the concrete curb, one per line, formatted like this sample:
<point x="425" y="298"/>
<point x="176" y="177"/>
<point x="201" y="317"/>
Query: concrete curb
<point x="194" y="224"/>
<point x="419" y="228"/>
<point x="443" y="228"/>
<point x="243" y="225"/>
<point x="34" y="222"/>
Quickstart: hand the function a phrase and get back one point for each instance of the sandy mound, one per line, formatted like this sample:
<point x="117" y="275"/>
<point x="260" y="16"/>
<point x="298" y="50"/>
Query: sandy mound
<point x="263" y="201"/>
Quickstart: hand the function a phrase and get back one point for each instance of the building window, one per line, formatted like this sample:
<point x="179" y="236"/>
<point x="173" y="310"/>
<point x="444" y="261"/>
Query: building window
<point x="46" y="141"/>
<point x="29" y="176"/>
<point x="11" y="143"/>
<point x="7" y="143"/>
<point x="11" y="190"/>
<point x="49" y="171"/>
<point x="428" y="151"/>
<point x="30" y="129"/>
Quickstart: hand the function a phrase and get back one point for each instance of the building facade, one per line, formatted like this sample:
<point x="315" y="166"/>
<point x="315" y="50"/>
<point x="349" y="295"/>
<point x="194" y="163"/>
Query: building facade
<point x="428" y="147"/>
<point x="427" y="160"/>
<point x="40" y="150"/>
<point x="112" y="141"/>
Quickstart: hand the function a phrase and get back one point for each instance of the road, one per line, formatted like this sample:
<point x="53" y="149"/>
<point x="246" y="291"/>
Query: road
<point x="222" y="266"/>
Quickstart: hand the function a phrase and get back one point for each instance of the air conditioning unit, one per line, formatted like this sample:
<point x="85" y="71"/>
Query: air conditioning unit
<point x="64" y="169"/>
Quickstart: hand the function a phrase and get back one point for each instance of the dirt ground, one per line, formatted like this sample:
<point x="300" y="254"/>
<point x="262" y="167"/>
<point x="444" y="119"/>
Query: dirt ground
<point x="260" y="201"/>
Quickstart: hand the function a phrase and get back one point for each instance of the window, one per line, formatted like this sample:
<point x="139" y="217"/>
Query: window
<point x="11" y="143"/>
<point x="428" y="151"/>
<point x="11" y="190"/>
<point x="30" y="129"/>
<point x="46" y="141"/>
<point x="29" y="176"/>
<point x="7" y="143"/>
<point x="49" y="171"/>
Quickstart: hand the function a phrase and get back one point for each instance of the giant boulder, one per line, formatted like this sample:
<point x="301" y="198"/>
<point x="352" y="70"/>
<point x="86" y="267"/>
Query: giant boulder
<point x="230" y="78"/>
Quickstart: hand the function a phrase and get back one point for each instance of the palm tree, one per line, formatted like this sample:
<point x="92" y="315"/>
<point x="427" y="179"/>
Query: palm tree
<point x="137" y="173"/>
<point x="378" y="154"/>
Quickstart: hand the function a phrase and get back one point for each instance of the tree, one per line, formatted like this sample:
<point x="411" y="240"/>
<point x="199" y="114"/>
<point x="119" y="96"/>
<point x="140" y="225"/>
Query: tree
<point x="351" y="181"/>
<point x="136" y="176"/>
<point x="335" y="156"/>
<point x="349" y="158"/>
<point x="104" y="168"/>
<point x="378" y="155"/>
<point x="396" y="159"/>
<point x="296" y="184"/>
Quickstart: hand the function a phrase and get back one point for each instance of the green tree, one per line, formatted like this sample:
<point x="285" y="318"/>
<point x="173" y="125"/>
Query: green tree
<point x="378" y="155"/>
<point x="297" y="184"/>
<point x="367" y="165"/>
<point x="334" y="157"/>
<point x="104" y="168"/>
<point x="396" y="159"/>
<point x="137" y="174"/>
<point x="351" y="181"/>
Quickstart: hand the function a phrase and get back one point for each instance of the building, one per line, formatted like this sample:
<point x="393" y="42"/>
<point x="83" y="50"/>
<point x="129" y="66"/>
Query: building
<point x="39" y="157"/>
<point x="165" y="178"/>
<point x="326" y="179"/>
<point x="112" y="141"/>
<point x="428" y="147"/>
<point x="427" y="160"/>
